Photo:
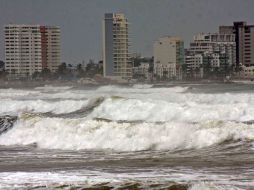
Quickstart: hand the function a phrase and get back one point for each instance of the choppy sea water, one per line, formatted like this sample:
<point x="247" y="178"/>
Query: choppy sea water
<point x="188" y="137"/>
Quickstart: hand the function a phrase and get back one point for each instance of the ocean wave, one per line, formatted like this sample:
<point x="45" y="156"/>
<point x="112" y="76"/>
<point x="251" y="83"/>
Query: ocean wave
<point x="16" y="93"/>
<point x="82" y="112"/>
<point x="150" y="110"/>
<point x="15" y="107"/>
<point x="154" y="107"/>
<point x="34" y="94"/>
<point x="212" y="186"/>
<point x="74" y="180"/>
<point x="53" y="88"/>
<point x="142" y="86"/>
<point x="86" y="179"/>
<point x="174" y="94"/>
<point x="6" y="123"/>
<point x="75" y="134"/>
<point x="140" y="89"/>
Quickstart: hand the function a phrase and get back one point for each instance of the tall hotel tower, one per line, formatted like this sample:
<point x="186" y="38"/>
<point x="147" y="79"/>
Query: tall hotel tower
<point x="116" y="58"/>
<point x="31" y="48"/>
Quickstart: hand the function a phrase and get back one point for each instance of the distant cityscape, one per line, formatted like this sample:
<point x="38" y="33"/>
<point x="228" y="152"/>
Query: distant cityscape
<point x="33" y="52"/>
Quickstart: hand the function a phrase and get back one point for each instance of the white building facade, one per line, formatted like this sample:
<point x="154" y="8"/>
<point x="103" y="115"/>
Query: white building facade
<point x="142" y="70"/>
<point x="215" y="44"/>
<point x="247" y="72"/>
<point x="194" y="65"/>
<point x="210" y="52"/>
<point x="31" y="48"/>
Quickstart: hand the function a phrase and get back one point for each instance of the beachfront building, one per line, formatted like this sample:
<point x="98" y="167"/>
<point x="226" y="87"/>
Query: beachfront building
<point x="244" y="38"/>
<point x="194" y="67"/>
<point x="247" y="72"/>
<point x="116" y="57"/>
<point x="31" y="48"/>
<point x="168" y="57"/>
<point x="210" y="53"/>
<point x="142" y="71"/>
<point x="215" y="43"/>
<point x="142" y="67"/>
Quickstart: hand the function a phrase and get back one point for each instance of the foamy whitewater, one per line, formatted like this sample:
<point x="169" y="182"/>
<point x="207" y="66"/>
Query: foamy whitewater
<point x="195" y="137"/>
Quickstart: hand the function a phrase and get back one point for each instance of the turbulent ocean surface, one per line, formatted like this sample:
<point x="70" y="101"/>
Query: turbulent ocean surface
<point x="186" y="137"/>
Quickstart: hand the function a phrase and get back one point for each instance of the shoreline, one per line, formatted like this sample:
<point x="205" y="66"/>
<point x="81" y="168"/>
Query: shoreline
<point x="33" y="84"/>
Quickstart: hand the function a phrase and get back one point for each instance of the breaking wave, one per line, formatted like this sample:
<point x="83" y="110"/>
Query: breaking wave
<point x="80" y="133"/>
<point x="128" y="118"/>
<point x="170" y="126"/>
<point x="6" y="123"/>
<point x="151" y="110"/>
<point x="184" y="108"/>
<point x="16" y="93"/>
<point x="15" y="107"/>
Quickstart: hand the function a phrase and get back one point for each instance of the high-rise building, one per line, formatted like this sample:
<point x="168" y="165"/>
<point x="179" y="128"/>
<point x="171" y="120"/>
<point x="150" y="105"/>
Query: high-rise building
<point x="168" y="57"/>
<point x="244" y="38"/>
<point x="31" y="48"/>
<point x="116" y="57"/>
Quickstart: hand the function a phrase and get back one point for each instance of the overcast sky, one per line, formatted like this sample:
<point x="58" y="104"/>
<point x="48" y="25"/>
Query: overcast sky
<point x="81" y="21"/>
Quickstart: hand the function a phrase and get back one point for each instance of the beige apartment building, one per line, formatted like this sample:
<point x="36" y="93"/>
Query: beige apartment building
<point x="168" y="57"/>
<point x="31" y="48"/>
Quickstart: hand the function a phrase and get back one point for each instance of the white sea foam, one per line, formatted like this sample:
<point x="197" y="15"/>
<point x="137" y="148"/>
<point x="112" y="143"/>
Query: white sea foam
<point x="17" y="93"/>
<point x="148" y="104"/>
<point x="71" y="94"/>
<point x="161" y="111"/>
<point x="175" y="94"/>
<point x="142" y="86"/>
<point x="212" y="186"/>
<point x="45" y="94"/>
<point x="15" y="107"/>
<point x="53" y="88"/>
<point x="140" y="89"/>
<point x="52" y="180"/>
<point x="172" y="94"/>
<point x="188" y="120"/>
<point x="75" y="134"/>
<point x="87" y="178"/>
